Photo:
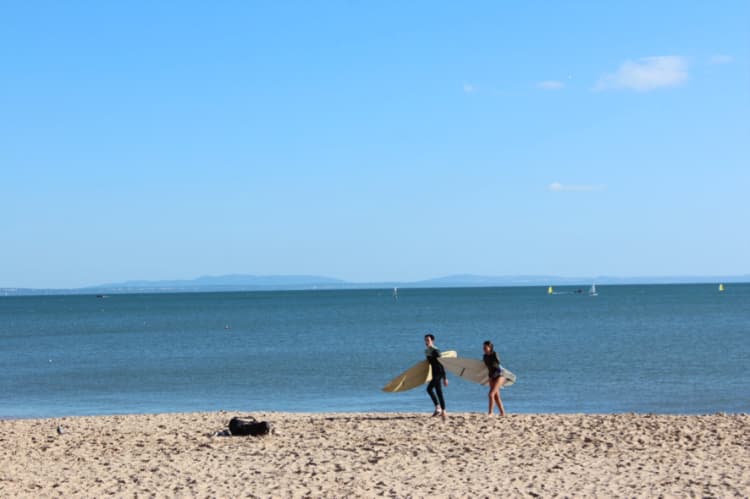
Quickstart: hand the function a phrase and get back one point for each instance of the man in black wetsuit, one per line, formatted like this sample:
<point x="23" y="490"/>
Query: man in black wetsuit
<point x="434" y="389"/>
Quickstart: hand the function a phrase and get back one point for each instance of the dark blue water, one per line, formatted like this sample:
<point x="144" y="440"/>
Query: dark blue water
<point x="664" y="349"/>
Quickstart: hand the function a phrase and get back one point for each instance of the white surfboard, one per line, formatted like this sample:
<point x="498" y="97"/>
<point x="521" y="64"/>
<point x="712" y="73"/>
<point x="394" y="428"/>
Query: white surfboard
<point x="475" y="370"/>
<point x="417" y="375"/>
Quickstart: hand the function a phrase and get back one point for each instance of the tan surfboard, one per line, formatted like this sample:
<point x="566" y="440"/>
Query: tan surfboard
<point x="417" y="375"/>
<point x="475" y="370"/>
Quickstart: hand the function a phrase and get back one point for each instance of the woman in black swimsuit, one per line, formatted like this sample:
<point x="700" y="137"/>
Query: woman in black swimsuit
<point x="495" y="372"/>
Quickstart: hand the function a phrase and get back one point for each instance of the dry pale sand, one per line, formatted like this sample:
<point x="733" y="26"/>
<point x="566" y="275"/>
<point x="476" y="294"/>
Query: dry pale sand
<point x="369" y="455"/>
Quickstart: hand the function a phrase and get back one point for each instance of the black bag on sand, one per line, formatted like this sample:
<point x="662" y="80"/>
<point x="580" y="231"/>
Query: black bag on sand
<point x="249" y="426"/>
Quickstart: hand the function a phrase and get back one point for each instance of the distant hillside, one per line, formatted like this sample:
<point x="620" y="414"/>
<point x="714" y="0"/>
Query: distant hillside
<point x="229" y="282"/>
<point x="470" y="280"/>
<point x="239" y="282"/>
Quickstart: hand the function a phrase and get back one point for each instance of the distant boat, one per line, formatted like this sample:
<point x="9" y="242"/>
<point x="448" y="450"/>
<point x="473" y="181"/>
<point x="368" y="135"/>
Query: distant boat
<point x="550" y="290"/>
<point x="395" y="293"/>
<point x="592" y="290"/>
<point x="721" y="288"/>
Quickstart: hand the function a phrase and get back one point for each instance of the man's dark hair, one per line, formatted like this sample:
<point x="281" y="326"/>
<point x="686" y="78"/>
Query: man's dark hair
<point x="430" y="336"/>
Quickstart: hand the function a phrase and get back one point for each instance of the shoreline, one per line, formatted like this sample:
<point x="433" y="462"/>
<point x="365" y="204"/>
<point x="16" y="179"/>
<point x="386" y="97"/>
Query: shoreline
<point x="331" y="454"/>
<point x="231" y="412"/>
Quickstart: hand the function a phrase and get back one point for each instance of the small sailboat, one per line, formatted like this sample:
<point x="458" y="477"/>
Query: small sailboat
<point x="395" y="293"/>
<point x="721" y="288"/>
<point x="592" y="290"/>
<point x="550" y="290"/>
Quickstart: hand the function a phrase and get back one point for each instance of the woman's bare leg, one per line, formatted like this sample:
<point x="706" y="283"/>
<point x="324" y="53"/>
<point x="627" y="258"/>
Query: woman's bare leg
<point x="498" y="400"/>
<point x="494" y="387"/>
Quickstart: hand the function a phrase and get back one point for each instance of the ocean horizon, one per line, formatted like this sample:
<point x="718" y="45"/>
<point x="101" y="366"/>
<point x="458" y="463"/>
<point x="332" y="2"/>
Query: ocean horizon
<point x="243" y="282"/>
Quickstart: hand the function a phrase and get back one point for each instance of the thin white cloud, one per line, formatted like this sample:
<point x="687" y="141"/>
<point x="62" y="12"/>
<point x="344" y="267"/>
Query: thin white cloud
<point x="558" y="187"/>
<point x="550" y="85"/>
<point x="469" y="88"/>
<point x="721" y="59"/>
<point x="646" y="74"/>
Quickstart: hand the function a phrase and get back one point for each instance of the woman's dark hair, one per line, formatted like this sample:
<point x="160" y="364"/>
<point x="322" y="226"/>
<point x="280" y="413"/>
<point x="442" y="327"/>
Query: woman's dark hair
<point x="430" y="336"/>
<point x="488" y="343"/>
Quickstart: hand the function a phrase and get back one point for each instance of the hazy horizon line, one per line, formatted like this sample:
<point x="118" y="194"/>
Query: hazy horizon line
<point x="310" y="281"/>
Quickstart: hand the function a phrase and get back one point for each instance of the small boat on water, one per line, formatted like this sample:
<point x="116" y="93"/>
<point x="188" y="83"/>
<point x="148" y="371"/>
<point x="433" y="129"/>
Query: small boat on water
<point x="592" y="290"/>
<point x="721" y="288"/>
<point x="550" y="290"/>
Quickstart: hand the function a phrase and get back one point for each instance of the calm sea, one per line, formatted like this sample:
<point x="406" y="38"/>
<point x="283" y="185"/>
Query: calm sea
<point x="660" y="348"/>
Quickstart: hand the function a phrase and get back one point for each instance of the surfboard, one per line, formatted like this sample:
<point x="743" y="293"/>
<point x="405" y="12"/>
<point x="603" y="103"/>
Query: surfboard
<point x="474" y="370"/>
<point x="417" y="375"/>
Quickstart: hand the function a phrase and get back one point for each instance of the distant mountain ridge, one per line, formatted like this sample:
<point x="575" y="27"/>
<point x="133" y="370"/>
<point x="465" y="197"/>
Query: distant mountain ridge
<point x="547" y="280"/>
<point x="243" y="282"/>
<point x="233" y="280"/>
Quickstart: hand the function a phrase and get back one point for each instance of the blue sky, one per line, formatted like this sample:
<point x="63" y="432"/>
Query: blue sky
<point x="372" y="141"/>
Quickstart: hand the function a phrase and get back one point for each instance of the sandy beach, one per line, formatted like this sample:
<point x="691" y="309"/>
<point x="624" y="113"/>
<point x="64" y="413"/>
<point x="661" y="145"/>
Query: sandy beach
<point x="370" y="455"/>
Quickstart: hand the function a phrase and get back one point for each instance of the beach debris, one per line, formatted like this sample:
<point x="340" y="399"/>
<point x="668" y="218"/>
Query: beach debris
<point x="248" y="425"/>
<point x="245" y="426"/>
<point x="60" y="430"/>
